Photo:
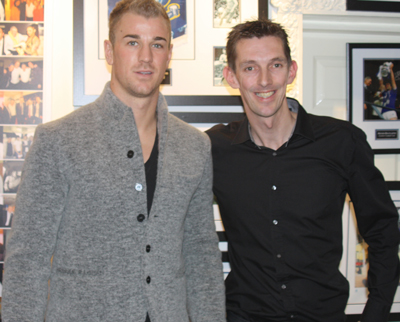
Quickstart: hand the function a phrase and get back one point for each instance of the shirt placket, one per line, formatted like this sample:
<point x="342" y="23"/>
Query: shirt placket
<point x="277" y="220"/>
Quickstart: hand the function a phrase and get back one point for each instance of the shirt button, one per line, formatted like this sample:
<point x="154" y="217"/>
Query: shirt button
<point x="275" y="222"/>
<point x="140" y="218"/>
<point x="274" y="154"/>
<point x="283" y="287"/>
<point x="148" y="248"/>
<point x="274" y="188"/>
<point x="292" y="316"/>
<point x="138" y="187"/>
<point x="130" y="154"/>
<point x="148" y="279"/>
<point x="279" y="256"/>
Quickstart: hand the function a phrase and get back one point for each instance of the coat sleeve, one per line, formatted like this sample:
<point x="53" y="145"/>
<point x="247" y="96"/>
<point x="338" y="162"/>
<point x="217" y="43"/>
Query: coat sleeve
<point x="30" y="245"/>
<point x="205" y="284"/>
<point x="377" y="221"/>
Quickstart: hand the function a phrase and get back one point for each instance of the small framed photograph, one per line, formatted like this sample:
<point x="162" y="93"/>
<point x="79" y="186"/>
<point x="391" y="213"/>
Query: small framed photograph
<point x="21" y="107"/>
<point x="12" y="171"/>
<point x="226" y="13"/>
<point x="7" y="210"/>
<point x="21" y="39"/>
<point x="220" y="61"/>
<point x="373" y="100"/>
<point x="21" y="73"/>
<point x="22" y="10"/>
<point x="17" y="141"/>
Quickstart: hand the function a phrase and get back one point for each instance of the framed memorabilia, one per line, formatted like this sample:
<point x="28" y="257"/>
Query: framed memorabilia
<point x="374" y="106"/>
<point x="191" y="76"/>
<point x="220" y="61"/>
<point x="226" y="13"/>
<point x="373" y="5"/>
<point x="357" y="265"/>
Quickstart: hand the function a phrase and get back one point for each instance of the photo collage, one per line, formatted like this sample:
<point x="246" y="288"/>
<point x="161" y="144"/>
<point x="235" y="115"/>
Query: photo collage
<point x="21" y="96"/>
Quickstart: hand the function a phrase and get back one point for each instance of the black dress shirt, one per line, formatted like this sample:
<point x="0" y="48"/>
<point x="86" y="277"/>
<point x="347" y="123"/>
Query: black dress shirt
<point x="282" y="213"/>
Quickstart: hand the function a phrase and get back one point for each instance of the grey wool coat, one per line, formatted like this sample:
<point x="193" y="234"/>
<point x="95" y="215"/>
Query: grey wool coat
<point x="83" y="201"/>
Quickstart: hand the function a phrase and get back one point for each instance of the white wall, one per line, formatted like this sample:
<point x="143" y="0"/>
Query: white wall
<point x="61" y="71"/>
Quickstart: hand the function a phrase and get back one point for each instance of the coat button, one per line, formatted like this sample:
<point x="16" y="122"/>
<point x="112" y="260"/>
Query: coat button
<point x="148" y="279"/>
<point x="130" y="154"/>
<point x="148" y="248"/>
<point x="140" y="218"/>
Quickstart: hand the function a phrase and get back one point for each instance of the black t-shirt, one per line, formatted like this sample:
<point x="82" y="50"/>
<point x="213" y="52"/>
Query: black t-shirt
<point x="151" y="174"/>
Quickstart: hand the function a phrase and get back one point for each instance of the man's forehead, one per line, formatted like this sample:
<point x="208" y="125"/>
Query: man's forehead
<point x="135" y="20"/>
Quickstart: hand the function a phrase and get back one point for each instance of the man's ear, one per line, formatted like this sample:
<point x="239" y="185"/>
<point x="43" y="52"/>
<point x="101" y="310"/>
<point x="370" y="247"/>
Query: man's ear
<point x="292" y="72"/>
<point x="108" y="51"/>
<point x="230" y="77"/>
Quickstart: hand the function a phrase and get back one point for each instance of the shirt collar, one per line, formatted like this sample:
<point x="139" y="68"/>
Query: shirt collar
<point x="303" y="124"/>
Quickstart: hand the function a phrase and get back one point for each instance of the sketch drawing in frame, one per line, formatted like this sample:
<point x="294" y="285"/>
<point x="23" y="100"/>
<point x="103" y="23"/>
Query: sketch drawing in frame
<point x="226" y="13"/>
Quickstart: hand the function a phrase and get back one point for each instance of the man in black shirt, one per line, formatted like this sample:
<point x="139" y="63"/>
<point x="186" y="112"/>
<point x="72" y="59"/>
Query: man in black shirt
<point x="280" y="178"/>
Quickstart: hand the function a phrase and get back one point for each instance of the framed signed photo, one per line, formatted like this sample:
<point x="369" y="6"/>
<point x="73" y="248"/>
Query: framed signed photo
<point x="374" y="105"/>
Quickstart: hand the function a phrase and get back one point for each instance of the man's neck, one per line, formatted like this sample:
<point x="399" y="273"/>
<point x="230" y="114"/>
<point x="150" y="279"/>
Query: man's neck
<point x="145" y="112"/>
<point x="273" y="132"/>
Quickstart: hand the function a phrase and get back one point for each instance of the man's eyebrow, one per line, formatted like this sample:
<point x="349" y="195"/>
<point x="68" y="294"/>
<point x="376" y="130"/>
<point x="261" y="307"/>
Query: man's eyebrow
<point x="160" y="39"/>
<point x="132" y="36"/>
<point x="157" y="38"/>
<point x="276" y="59"/>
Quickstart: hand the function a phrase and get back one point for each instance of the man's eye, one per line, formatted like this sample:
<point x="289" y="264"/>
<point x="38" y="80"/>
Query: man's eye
<point x="158" y="46"/>
<point x="132" y="43"/>
<point x="250" y="68"/>
<point x="277" y="65"/>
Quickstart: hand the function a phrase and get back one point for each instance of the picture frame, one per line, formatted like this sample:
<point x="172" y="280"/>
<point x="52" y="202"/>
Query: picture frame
<point x="373" y="5"/>
<point x="370" y="100"/>
<point x="357" y="264"/>
<point x="176" y="95"/>
<point x="226" y="13"/>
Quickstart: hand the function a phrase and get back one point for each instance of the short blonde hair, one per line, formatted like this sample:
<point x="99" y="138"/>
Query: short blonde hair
<point x="145" y="8"/>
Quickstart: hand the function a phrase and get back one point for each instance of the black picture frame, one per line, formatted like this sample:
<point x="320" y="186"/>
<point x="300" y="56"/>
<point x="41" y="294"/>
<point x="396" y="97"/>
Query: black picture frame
<point x="79" y="96"/>
<point x="369" y="5"/>
<point x="358" y="56"/>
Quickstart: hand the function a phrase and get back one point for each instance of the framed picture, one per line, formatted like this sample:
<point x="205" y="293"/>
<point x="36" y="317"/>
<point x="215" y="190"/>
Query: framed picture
<point x="220" y="61"/>
<point x="373" y="5"/>
<point x="373" y="81"/>
<point x="192" y="81"/>
<point x="357" y="264"/>
<point x="226" y="13"/>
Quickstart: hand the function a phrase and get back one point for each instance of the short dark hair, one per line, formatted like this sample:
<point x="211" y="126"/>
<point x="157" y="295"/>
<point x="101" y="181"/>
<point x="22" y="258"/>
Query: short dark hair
<point x="145" y="8"/>
<point x="256" y="28"/>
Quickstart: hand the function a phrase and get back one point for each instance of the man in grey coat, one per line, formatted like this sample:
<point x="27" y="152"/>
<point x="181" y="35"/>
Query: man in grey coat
<point x="113" y="217"/>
